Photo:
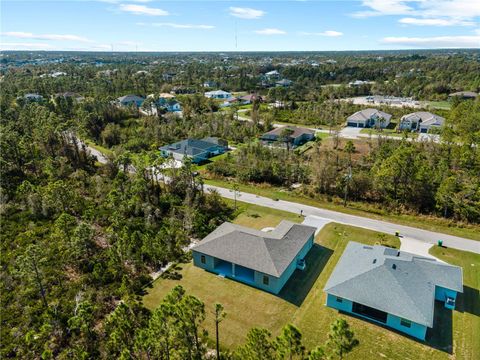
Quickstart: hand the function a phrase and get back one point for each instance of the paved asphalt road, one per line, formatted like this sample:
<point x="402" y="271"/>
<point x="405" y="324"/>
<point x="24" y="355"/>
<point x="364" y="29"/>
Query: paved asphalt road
<point x="377" y="225"/>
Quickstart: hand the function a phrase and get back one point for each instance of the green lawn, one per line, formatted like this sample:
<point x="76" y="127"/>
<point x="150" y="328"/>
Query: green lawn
<point x="443" y="105"/>
<point x="259" y="217"/>
<point x="302" y="302"/>
<point x="102" y="149"/>
<point x="421" y="221"/>
<point x="466" y="320"/>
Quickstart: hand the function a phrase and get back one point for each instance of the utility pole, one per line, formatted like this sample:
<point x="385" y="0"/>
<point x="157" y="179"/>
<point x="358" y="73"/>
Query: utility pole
<point x="348" y="178"/>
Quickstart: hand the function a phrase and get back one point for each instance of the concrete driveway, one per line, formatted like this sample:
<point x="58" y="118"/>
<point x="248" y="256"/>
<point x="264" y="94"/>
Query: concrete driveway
<point x="316" y="222"/>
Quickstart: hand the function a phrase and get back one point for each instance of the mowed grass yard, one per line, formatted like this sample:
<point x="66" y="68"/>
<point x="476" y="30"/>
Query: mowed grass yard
<point x="302" y="301"/>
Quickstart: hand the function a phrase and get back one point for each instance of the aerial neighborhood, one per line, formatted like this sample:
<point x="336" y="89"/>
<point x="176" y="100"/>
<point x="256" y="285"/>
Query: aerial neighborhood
<point x="240" y="205"/>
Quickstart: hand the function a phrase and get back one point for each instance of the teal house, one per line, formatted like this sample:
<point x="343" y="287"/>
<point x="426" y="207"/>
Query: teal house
<point x="391" y="287"/>
<point x="196" y="150"/>
<point x="265" y="260"/>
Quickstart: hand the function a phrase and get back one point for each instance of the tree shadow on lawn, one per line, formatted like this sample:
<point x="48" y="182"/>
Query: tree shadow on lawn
<point x="298" y="286"/>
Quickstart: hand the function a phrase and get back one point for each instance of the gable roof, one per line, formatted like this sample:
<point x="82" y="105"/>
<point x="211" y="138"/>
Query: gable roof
<point x="216" y="92"/>
<point x="397" y="282"/>
<point x="365" y="114"/>
<point x="266" y="252"/>
<point x="466" y="94"/>
<point x="191" y="147"/>
<point x="297" y="131"/>
<point x="427" y="118"/>
<point x="130" y="98"/>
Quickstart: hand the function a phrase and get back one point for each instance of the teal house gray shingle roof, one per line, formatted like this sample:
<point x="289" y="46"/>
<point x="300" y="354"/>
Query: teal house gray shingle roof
<point x="393" y="281"/>
<point x="267" y="252"/>
<point x="197" y="150"/>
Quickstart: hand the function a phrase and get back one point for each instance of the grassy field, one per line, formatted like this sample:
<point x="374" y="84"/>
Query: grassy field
<point x="102" y="149"/>
<point x="259" y="217"/>
<point x="442" y="105"/>
<point x="422" y="222"/>
<point x="302" y="302"/>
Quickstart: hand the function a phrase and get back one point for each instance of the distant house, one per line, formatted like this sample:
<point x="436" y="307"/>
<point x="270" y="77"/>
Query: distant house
<point x="196" y="150"/>
<point x="57" y="74"/>
<point x="265" y="260"/>
<point x="284" y="83"/>
<point x="168" y="76"/>
<point x="173" y="106"/>
<point x="70" y="95"/>
<point x="422" y="121"/>
<point x="129" y="100"/>
<point x="165" y="101"/>
<point x="297" y="137"/>
<point x="209" y="84"/>
<point x="369" y="118"/>
<point x="463" y="95"/>
<point x="31" y="97"/>
<point x="218" y="94"/>
<point x="182" y="90"/>
<point x="358" y="83"/>
<point x="248" y="99"/>
<point x="274" y="74"/>
<point x="392" y="287"/>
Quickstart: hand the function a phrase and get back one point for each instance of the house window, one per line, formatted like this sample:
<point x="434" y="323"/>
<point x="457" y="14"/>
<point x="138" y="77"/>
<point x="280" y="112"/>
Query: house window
<point x="339" y="299"/>
<point x="405" y="322"/>
<point x="266" y="280"/>
<point x="202" y="259"/>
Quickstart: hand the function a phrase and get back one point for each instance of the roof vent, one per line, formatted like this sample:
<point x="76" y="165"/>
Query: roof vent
<point x="394" y="266"/>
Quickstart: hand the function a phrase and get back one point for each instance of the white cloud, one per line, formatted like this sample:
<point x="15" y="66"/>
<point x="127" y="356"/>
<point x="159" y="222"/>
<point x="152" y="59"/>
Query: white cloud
<point x="329" y="33"/>
<point x="55" y="37"/>
<point x="142" y="10"/>
<point x="246" y="13"/>
<point x="181" y="26"/>
<point x="270" y="31"/>
<point x="454" y="11"/>
<point x="462" y="41"/>
<point x="25" y="46"/>
<point x="435" y="22"/>
<point x="384" y="7"/>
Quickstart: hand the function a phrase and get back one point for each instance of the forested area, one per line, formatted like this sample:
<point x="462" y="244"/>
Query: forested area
<point x="78" y="239"/>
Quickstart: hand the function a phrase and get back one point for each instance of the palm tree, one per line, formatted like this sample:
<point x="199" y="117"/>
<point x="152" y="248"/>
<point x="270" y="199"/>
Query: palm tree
<point x="285" y="136"/>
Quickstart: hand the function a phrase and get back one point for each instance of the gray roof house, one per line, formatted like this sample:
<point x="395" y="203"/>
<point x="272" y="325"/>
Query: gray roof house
<point x="422" y="121"/>
<point x="265" y="260"/>
<point x="197" y="150"/>
<point x="129" y="100"/>
<point x="297" y="137"/>
<point x="392" y="287"/>
<point x="369" y="118"/>
<point x="464" y="94"/>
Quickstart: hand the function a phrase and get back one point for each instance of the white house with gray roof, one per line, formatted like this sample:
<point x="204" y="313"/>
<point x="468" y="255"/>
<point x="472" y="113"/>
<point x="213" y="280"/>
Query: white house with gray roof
<point x="422" y="121"/>
<point x="265" y="260"/>
<point x="392" y="287"/>
<point x="368" y="118"/>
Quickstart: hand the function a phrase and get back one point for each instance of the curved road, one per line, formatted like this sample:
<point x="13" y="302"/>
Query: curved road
<point x="426" y="236"/>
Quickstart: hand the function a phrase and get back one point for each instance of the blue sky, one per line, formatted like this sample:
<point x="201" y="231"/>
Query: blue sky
<point x="143" y="25"/>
